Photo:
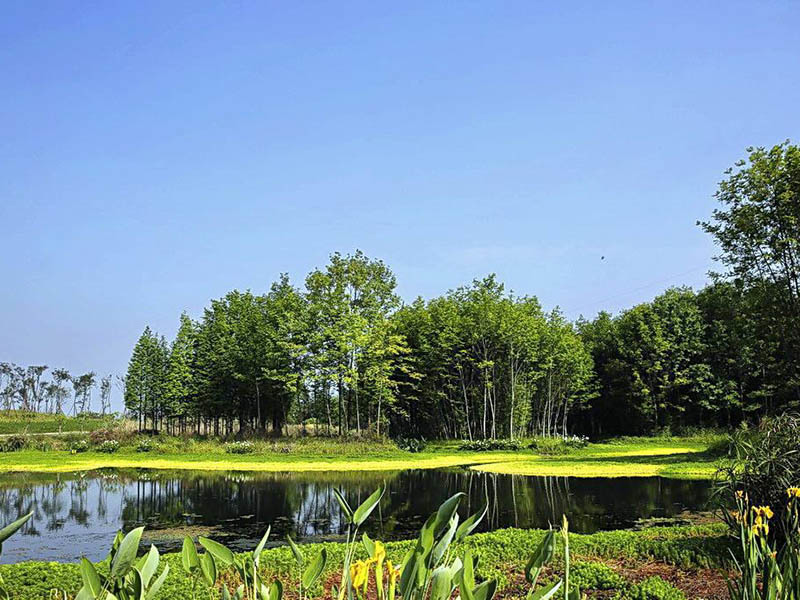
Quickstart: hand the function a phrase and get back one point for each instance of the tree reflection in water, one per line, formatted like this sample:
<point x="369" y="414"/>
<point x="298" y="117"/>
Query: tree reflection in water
<point x="72" y="512"/>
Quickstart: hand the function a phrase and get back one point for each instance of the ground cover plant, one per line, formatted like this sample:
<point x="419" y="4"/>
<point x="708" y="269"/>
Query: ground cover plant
<point x="502" y="556"/>
<point x="674" y="457"/>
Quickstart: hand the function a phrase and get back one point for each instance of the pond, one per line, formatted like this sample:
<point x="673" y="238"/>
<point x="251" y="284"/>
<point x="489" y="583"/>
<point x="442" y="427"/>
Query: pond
<point x="77" y="514"/>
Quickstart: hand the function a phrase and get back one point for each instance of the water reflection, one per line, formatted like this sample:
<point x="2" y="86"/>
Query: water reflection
<point x="77" y="514"/>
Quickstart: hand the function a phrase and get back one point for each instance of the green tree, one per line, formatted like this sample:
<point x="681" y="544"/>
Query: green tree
<point x="757" y="230"/>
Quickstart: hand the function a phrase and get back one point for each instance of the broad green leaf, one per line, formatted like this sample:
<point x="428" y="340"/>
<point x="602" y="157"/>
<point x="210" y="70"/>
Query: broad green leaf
<point x="220" y="553"/>
<point x="260" y="548"/>
<point x="85" y="594"/>
<point x="470" y="524"/>
<point x="363" y="511"/>
<point x="441" y="584"/>
<point x="276" y="590"/>
<point x="10" y="529"/>
<point x="90" y="578"/>
<point x="547" y="592"/>
<point x="468" y="571"/>
<point x="189" y="558"/>
<point x="345" y="506"/>
<point x="574" y="594"/>
<point x="298" y="556"/>
<point x="314" y="570"/>
<point x="151" y="593"/>
<point x="126" y="553"/>
<point x="226" y="595"/>
<point x="149" y="565"/>
<point x="425" y="541"/>
<point x="486" y="590"/>
<point x="408" y="578"/>
<point x="137" y="584"/>
<point x="446" y="512"/>
<point x="540" y="557"/>
<point x="369" y="545"/>
<point x="444" y="543"/>
<point x="209" y="568"/>
<point x="263" y="592"/>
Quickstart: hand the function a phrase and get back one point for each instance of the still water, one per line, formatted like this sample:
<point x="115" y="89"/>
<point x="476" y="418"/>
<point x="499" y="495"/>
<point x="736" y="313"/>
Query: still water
<point x="77" y="514"/>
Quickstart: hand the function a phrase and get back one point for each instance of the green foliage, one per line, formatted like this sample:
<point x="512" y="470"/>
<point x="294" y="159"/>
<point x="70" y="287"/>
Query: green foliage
<point x="15" y="442"/>
<point x="108" y="446"/>
<point x="490" y="444"/>
<point x="410" y="444"/>
<point x="145" y="444"/>
<point x="757" y="229"/>
<point x="79" y="445"/>
<point x="596" y="576"/>
<point x="765" y="463"/>
<point x="652" y="588"/>
<point x="767" y="568"/>
<point x="5" y="533"/>
<point x="243" y="447"/>
<point x="499" y="551"/>
<point x="558" y="446"/>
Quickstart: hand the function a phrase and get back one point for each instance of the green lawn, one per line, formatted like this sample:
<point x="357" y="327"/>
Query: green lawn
<point x="632" y="457"/>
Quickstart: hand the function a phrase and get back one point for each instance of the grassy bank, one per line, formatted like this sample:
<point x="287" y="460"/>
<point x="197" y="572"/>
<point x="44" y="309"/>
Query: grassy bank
<point x="21" y="422"/>
<point x="676" y="553"/>
<point x="631" y="457"/>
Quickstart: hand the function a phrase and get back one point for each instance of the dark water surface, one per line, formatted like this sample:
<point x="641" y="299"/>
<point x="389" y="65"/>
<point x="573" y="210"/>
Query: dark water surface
<point x="77" y="514"/>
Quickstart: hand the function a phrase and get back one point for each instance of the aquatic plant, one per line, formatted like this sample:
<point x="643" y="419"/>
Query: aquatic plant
<point x="768" y="568"/>
<point x="5" y="533"/>
<point x="128" y="578"/>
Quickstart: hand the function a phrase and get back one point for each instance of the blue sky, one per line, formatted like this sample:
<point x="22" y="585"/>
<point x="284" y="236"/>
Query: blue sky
<point x="156" y="155"/>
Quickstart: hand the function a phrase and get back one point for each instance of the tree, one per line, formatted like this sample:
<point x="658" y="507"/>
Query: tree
<point x="758" y="232"/>
<point x="347" y="303"/>
<point x="145" y="381"/>
<point x="179" y="388"/>
<point x="82" y="387"/>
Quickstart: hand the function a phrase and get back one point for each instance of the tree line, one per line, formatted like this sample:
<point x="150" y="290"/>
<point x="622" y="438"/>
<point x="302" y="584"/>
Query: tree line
<point x="33" y="389"/>
<point x="344" y="353"/>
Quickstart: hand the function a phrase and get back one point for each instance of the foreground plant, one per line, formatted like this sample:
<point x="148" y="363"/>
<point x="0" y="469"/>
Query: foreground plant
<point x="128" y="578"/>
<point x="541" y="557"/>
<point x="768" y="570"/>
<point x="5" y="533"/>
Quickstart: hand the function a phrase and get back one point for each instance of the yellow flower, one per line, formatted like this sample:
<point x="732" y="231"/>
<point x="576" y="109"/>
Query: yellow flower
<point x="358" y="574"/>
<point x="793" y="492"/>
<point x="380" y="556"/>
<point x="394" y="573"/>
<point x="760" y="528"/>
<point x="380" y="552"/>
<point x="762" y="512"/>
<point x="739" y="494"/>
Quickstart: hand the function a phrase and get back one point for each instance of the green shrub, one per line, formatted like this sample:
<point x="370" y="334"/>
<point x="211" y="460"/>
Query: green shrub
<point x="14" y="443"/>
<point x="145" y="445"/>
<point x="765" y="462"/>
<point x="652" y="588"/>
<point x="411" y="444"/>
<point x="108" y="446"/>
<point x="558" y="446"/>
<point x="488" y="445"/>
<point x="240" y="447"/>
<point x="113" y="432"/>
<point x="79" y="445"/>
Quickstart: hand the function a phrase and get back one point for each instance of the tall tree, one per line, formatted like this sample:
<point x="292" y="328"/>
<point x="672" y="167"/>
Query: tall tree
<point x="758" y="232"/>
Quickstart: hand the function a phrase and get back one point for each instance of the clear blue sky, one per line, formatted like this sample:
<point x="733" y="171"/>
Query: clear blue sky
<point x="154" y="155"/>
